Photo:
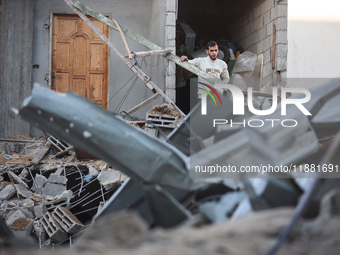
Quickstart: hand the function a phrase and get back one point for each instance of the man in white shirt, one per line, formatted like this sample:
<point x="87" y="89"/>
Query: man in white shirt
<point x="211" y="64"/>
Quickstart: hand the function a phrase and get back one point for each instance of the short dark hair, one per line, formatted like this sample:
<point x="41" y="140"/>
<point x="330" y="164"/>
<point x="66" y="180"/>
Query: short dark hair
<point x="211" y="44"/>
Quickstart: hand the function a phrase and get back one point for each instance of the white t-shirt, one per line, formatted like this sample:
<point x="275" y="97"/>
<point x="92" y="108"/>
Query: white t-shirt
<point x="217" y="68"/>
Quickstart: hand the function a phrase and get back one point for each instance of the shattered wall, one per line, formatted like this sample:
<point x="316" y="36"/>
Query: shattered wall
<point x="15" y="62"/>
<point x="254" y="31"/>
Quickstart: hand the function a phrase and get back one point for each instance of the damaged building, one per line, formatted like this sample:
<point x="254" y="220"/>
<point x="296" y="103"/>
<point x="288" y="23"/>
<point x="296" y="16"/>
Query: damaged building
<point x="103" y="144"/>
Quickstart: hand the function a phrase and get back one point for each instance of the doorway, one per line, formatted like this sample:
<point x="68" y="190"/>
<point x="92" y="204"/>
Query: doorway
<point x="79" y="58"/>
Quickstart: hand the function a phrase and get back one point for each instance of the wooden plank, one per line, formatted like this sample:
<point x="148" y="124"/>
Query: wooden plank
<point x="152" y="46"/>
<point x="139" y="72"/>
<point x="137" y="107"/>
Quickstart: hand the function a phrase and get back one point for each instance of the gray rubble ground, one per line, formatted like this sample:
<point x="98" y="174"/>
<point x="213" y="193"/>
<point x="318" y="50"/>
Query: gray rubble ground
<point x="251" y="235"/>
<point x="32" y="189"/>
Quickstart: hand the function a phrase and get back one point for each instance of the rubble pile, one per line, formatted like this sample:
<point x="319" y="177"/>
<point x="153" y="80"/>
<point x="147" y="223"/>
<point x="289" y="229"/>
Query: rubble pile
<point x="46" y="193"/>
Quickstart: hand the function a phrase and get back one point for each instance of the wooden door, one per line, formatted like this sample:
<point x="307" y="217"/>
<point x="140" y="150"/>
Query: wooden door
<point x="79" y="58"/>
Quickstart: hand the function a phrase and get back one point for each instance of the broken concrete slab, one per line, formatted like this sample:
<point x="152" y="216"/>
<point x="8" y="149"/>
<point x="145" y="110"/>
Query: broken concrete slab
<point x="110" y="179"/>
<point x="17" y="179"/>
<point x="23" y="192"/>
<point x="7" y="192"/>
<point x="41" y="154"/>
<point x="53" y="190"/>
<point x="39" y="182"/>
<point x="28" y="203"/>
<point x="39" y="211"/>
<point x="57" y="179"/>
<point x="28" y="212"/>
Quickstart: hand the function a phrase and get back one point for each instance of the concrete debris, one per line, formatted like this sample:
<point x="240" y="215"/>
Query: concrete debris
<point x="16" y="215"/>
<point x="45" y="194"/>
<point x="39" y="211"/>
<point x="59" y="195"/>
<point x="57" y="179"/>
<point x="39" y="182"/>
<point x="111" y="179"/>
<point x="7" y="192"/>
<point x="53" y="229"/>
<point x="17" y="179"/>
<point x="23" y="225"/>
<point x="67" y="220"/>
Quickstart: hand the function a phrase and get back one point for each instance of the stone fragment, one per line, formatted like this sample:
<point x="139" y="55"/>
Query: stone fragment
<point x="55" y="178"/>
<point x="24" y="173"/>
<point x="16" y="215"/>
<point x="39" y="231"/>
<point x="110" y="179"/>
<point x="39" y="211"/>
<point x="7" y="192"/>
<point x="22" y="191"/>
<point x="28" y="213"/>
<point x="27" y="203"/>
<point x="53" y="190"/>
<point x="39" y="182"/>
<point x="92" y="170"/>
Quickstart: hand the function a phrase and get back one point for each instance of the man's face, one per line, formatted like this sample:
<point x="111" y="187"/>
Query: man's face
<point x="212" y="52"/>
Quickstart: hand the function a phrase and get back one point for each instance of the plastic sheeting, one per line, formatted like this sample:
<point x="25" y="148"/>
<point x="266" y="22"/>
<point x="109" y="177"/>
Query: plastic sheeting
<point x="247" y="71"/>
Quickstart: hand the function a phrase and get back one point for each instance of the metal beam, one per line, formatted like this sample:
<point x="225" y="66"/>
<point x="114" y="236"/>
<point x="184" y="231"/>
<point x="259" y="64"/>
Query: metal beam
<point x="139" y="72"/>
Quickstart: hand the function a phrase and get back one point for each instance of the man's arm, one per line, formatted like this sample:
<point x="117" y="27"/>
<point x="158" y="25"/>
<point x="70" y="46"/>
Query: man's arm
<point x="225" y="74"/>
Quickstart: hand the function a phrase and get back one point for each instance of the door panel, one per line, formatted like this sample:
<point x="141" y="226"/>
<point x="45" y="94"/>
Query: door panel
<point x="79" y="58"/>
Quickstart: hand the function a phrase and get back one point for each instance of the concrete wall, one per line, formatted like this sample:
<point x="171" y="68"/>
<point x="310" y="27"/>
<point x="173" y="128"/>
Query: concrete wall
<point x="254" y="32"/>
<point x="313" y="41"/>
<point x="138" y="15"/>
<point x="16" y="30"/>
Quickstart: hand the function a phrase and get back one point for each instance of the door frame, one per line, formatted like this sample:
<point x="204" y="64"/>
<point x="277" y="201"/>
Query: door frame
<point x="49" y="75"/>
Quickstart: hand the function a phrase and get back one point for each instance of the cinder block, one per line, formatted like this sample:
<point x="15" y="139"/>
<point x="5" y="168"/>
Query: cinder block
<point x="52" y="228"/>
<point x="257" y="11"/>
<point x="23" y="225"/>
<point x="281" y="50"/>
<point x="273" y="13"/>
<point x="67" y="220"/>
<point x="259" y="22"/>
<point x="170" y="5"/>
<point x="170" y="32"/>
<point x="269" y="28"/>
<point x="266" y="18"/>
<point x="281" y="37"/>
<point x="267" y="43"/>
<point x="170" y="19"/>
<point x="282" y="10"/>
<point x="161" y="120"/>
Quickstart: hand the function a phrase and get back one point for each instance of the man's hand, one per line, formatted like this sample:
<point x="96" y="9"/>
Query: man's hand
<point x="184" y="58"/>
